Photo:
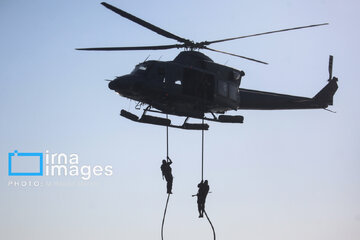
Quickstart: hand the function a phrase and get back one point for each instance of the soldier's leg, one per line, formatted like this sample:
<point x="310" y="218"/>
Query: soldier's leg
<point x="199" y="209"/>
<point x="170" y="183"/>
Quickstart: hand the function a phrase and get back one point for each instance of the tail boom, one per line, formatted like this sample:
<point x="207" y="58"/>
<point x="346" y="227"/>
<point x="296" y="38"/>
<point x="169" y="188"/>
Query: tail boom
<point x="251" y="99"/>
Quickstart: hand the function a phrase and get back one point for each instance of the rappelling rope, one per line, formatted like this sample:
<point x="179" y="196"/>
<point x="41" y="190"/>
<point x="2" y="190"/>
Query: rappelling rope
<point x="202" y="151"/>
<point x="213" y="229"/>
<point x="167" y="140"/>
<point x="168" y="197"/>
<point x="202" y="174"/>
<point x="163" y="220"/>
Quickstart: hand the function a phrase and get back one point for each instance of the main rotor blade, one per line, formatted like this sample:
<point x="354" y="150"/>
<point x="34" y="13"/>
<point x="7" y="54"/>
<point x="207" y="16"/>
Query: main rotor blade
<point x="159" y="47"/>
<point x="144" y="23"/>
<point x="264" y="33"/>
<point x="232" y="54"/>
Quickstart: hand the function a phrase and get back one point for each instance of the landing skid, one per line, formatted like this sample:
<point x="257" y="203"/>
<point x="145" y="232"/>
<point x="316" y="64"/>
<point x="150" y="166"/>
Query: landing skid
<point x="187" y="126"/>
<point x="163" y="121"/>
<point x="220" y="118"/>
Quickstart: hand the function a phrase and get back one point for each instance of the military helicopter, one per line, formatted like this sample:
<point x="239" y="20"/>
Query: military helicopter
<point x="193" y="85"/>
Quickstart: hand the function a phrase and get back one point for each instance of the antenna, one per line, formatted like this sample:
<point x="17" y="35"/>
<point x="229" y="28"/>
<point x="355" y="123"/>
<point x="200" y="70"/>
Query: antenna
<point x="146" y="58"/>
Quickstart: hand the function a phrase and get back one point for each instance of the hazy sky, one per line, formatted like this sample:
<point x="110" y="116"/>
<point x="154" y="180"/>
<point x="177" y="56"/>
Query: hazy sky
<point x="280" y="175"/>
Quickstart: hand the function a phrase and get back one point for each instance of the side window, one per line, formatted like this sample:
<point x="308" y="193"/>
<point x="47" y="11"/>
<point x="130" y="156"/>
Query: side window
<point x="223" y="88"/>
<point x="233" y="92"/>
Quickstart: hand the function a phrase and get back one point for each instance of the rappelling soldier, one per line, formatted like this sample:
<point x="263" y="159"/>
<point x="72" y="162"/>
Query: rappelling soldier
<point x="166" y="172"/>
<point x="201" y="196"/>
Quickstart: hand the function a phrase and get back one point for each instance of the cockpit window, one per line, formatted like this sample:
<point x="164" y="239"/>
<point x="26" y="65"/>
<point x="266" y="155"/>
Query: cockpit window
<point x="139" y="68"/>
<point x="142" y="67"/>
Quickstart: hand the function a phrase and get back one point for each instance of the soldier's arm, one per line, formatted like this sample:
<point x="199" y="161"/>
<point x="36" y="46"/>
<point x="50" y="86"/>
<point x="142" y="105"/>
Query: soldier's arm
<point x="162" y="173"/>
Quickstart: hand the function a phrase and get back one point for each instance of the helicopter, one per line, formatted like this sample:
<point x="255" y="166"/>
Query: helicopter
<point x="193" y="85"/>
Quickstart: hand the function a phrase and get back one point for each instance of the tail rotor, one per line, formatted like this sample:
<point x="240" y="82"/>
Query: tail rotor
<point x="330" y="66"/>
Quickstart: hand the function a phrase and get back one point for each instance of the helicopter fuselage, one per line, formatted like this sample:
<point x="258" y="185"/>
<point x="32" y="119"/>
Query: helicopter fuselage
<point x="192" y="85"/>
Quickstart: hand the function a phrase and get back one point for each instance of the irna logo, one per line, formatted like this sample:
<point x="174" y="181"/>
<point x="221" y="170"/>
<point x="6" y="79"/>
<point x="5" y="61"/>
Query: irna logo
<point x="25" y="164"/>
<point x="53" y="164"/>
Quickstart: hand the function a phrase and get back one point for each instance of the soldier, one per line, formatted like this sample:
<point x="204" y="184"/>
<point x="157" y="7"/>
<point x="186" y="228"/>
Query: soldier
<point x="166" y="172"/>
<point x="201" y="196"/>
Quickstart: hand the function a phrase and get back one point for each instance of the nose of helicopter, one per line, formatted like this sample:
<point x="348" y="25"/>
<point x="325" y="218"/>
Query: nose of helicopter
<point x="121" y="83"/>
<point x="112" y="84"/>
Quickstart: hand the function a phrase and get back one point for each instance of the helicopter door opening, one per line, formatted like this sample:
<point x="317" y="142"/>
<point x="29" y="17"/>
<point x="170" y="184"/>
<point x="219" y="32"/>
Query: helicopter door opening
<point x="198" y="84"/>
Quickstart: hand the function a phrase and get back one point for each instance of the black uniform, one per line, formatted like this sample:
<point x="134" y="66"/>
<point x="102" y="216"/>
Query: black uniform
<point x="166" y="172"/>
<point x="201" y="196"/>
